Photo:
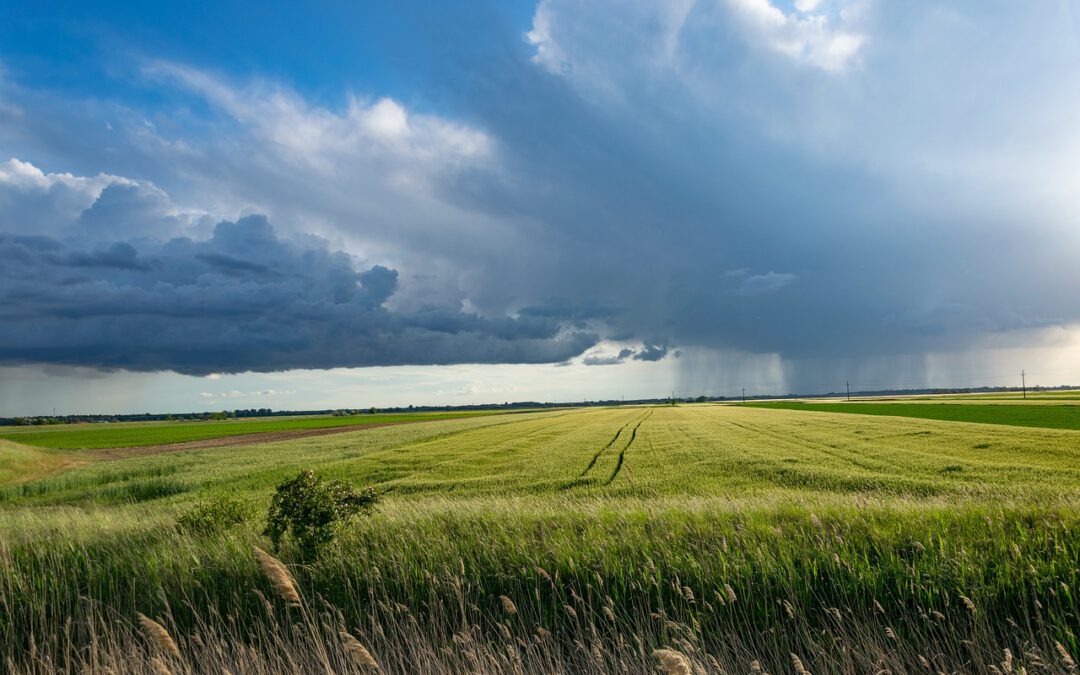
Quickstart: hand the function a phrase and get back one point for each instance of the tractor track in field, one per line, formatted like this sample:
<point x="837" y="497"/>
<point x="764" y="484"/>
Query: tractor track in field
<point x="596" y="457"/>
<point x="622" y="455"/>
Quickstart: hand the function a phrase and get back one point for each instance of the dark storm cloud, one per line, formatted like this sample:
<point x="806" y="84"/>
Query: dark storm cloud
<point x="650" y="352"/>
<point x="722" y="191"/>
<point x="244" y="299"/>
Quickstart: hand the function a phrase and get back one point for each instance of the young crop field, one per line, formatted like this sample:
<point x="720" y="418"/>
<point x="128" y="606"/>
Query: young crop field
<point x="135" y="434"/>
<point x="1060" y="416"/>
<point x="679" y="539"/>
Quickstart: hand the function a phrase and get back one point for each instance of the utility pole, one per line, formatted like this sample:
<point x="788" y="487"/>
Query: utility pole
<point x="848" y="390"/>
<point x="1023" y="382"/>
<point x="744" y="395"/>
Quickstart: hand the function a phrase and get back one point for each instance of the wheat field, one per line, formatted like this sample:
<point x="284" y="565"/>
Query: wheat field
<point x="691" y="538"/>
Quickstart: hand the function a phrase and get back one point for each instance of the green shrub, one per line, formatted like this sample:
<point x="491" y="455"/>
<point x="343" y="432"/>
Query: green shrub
<point x="310" y="510"/>
<point x="214" y="515"/>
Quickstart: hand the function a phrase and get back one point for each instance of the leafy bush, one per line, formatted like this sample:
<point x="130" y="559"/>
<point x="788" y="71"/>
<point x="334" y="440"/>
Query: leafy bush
<point x="311" y="510"/>
<point x="213" y="515"/>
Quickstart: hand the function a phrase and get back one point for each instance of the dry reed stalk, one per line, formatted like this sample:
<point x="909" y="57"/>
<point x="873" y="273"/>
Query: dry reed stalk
<point x="673" y="662"/>
<point x="730" y="593"/>
<point x="1066" y="657"/>
<point x="508" y="605"/>
<point x="358" y="652"/>
<point x="279" y="577"/>
<point x="158" y="635"/>
<point x="968" y="603"/>
<point x="159" y="667"/>
<point x="798" y="664"/>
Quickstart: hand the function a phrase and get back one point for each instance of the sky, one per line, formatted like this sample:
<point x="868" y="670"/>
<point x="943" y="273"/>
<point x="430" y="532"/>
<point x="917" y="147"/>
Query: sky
<point x="204" y="207"/>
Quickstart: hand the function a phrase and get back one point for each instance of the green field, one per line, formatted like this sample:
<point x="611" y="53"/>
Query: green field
<point x="134" y="434"/>
<point x="1033" y="415"/>
<point x="727" y="534"/>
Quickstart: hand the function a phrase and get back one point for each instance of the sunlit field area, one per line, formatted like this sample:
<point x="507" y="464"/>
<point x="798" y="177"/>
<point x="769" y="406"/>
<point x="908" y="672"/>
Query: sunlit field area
<point x="133" y="434"/>
<point x="714" y="538"/>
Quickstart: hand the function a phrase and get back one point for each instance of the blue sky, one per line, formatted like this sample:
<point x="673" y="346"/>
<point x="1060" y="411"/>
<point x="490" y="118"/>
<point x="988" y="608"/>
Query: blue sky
<point x="206" y="207"/>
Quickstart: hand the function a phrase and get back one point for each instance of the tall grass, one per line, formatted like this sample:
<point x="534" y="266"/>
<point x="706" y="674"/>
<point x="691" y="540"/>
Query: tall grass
<point x="593" y="588"/>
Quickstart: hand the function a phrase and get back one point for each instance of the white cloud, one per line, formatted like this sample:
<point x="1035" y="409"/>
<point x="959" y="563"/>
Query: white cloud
<point x="548" y="53"/>
<point x="236" y="393"/>
<point x="35" y="202"/>
<point x="101" y="207"/>
<point x="810" y="38"/>
<point x="571" y="41"/>
<point x="325" y="139"/>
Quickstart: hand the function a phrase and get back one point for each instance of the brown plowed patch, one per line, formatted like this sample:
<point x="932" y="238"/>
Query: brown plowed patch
<point x="226" y="441"/>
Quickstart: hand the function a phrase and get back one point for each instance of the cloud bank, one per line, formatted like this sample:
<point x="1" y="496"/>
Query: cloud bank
<point x="243" y="299"/>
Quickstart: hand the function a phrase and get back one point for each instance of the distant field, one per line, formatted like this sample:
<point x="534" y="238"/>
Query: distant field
<point x="1040" y="415"/>
<point x="729" y="534"/>
<point x="132" y="434"/>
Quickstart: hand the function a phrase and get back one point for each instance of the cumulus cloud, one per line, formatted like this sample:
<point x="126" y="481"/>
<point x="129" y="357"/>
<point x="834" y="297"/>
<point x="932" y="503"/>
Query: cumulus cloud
<point x="242" y="299"/>
<point x="808" y="36"/>
<point x="662" y="38"/>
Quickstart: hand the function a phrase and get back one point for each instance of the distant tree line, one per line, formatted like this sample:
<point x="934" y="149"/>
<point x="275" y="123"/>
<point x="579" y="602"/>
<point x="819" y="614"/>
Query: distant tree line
<point x="516" y="405"/>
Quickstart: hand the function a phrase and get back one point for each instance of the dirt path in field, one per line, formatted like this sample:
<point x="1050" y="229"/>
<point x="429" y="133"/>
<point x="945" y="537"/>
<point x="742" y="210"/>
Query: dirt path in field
<point x="241" y="439"/>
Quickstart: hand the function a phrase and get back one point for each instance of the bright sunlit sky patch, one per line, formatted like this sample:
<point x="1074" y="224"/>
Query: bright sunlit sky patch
<point x="204" y="207"/>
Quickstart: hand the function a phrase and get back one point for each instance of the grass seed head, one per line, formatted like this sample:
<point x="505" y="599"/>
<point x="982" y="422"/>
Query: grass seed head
<point x="673" y="662"/>
<point x="508" y="605"/>
<point x="797" y="663"/>
<point x="158" y="635"/>
<point x="968" y="603"/>
<point x="1066" y="657"/>
<point x="279" y="577"/>
<point x="357" y="651"/>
